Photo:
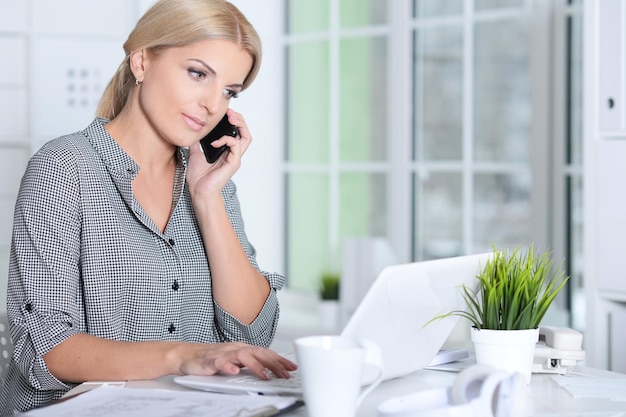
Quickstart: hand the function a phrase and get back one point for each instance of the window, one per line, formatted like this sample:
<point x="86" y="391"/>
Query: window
<point x="430" y="123"/>
<point x="337" y="164"/>
<point x="472" y="167"/>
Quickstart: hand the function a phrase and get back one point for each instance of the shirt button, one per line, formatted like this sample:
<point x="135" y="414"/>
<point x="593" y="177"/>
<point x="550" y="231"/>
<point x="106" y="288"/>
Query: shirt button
<point x="175" y="285"/>
<point x="171" y="242"/>
<point x="29" y="307"/>
<point x="171" y="328"/>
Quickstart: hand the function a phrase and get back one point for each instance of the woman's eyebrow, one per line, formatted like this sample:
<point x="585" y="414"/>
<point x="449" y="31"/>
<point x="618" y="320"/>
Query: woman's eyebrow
<point x="212" y="71"/>
<point x="204" y="64"/>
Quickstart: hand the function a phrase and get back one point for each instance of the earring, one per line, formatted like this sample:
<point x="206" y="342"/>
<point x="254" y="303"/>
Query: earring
<point x="137" y="82"/>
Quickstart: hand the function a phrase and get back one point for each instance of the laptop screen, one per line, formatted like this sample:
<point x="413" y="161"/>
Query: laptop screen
<point x="402" y="299"/>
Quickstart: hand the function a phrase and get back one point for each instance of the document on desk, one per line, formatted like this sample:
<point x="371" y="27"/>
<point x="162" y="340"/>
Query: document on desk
<point x="107" y="401"/>
<point x="593" y="387"/>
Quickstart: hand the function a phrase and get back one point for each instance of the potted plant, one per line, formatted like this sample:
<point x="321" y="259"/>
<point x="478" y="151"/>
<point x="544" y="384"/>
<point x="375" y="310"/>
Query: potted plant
<point x="329" y="300"/>
<point x="329" y="286"/>
<point x="515" y="290"/>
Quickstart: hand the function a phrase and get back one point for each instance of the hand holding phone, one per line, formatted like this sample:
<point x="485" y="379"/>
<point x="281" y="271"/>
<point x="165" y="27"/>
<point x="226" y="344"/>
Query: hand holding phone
<point x="223" y="128"/>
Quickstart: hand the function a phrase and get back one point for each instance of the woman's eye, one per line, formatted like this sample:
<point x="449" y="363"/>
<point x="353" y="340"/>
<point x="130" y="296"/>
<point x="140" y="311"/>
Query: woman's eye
<point x="197" y="74"/>
<point x="231" y="93"/>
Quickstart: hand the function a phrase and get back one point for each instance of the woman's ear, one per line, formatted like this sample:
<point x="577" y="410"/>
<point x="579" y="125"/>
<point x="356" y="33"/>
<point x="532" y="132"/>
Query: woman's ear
<point x="137" y="64"/>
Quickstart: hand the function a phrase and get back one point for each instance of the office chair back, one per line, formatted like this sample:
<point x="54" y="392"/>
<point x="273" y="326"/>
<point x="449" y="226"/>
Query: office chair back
<point x="6" y="346"/>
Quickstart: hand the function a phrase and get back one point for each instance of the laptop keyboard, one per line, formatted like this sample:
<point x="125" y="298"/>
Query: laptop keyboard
<point x="292" y="383"/>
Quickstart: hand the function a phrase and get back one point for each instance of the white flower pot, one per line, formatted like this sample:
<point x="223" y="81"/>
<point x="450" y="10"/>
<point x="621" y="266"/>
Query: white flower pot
<point x="329" y="315"/>
<point x="509" y="350"/>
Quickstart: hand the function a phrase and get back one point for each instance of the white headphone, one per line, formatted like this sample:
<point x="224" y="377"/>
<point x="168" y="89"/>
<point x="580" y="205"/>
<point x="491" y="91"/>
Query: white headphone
<point x="478" y="391"/>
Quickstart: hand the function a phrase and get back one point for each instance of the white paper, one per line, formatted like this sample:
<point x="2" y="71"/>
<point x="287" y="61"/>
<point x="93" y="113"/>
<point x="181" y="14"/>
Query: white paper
<point x="134" y="402"/>
<point x="593" y="387"/>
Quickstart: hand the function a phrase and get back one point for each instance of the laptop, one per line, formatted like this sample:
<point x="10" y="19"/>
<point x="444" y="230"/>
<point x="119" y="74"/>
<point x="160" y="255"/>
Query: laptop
<point x="393" y="314"/>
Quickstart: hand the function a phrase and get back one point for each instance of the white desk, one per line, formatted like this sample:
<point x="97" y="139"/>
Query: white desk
<point x="545" y="397"/>
<point x="299" y="318"/>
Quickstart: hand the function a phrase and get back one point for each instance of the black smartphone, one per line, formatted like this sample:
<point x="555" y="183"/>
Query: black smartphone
<point x="223" y="128"/>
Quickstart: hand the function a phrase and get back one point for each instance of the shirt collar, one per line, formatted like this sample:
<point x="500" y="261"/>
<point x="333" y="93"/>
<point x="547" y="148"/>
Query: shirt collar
<point x="116" y="159"/>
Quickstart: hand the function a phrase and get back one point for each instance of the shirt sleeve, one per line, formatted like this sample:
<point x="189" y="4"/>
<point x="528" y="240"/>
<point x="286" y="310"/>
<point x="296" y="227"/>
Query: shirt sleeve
<point x="262" y="330"/>
<point x="43" y="268"/>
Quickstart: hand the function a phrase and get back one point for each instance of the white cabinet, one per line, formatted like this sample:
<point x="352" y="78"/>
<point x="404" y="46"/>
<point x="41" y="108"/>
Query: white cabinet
<point x="610" y="219"/>
<point x="605" y="172"/>
<point x="610" y="46"/>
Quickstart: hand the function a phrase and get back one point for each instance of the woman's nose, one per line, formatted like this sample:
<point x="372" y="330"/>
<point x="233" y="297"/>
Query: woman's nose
<point x="211" y="100"/>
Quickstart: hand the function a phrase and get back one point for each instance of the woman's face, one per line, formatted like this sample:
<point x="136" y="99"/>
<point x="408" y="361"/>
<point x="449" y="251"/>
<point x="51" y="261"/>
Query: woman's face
<point x="186" y="90"/>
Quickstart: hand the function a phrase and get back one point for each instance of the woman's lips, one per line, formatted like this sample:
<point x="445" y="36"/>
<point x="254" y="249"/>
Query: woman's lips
<point x="194" y="123"/>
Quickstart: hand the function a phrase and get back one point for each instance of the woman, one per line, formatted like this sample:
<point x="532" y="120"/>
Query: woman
<point x="129" y="259"/>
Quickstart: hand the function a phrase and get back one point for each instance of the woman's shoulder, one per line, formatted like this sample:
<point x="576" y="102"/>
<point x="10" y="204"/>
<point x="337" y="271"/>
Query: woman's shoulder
<point x="70" y="147"/>
<point x="71" y="141"/>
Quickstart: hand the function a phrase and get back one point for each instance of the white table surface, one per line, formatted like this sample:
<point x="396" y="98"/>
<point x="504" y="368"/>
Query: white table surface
<point x="545" y="397"/>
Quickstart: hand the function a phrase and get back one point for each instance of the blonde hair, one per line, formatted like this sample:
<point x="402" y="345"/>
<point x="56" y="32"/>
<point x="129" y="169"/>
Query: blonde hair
<point x="171" y="23"/>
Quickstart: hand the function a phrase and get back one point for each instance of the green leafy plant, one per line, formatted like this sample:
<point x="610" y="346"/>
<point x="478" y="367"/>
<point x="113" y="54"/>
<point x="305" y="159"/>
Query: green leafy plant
<point x="515" y="290"/>
<point x="329" y="286"/>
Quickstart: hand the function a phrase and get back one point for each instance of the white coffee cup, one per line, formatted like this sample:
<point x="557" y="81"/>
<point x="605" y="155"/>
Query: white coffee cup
<point x="331" y="369"/>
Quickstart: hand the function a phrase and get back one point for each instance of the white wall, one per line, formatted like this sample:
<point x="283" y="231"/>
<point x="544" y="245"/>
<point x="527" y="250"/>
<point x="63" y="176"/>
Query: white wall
<point x="260" y="180"/>
<point x="57" y="56"/>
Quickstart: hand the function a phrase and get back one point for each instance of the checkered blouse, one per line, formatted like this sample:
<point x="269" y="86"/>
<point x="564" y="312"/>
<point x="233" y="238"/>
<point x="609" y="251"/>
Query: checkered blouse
<point x="85" y="257"/>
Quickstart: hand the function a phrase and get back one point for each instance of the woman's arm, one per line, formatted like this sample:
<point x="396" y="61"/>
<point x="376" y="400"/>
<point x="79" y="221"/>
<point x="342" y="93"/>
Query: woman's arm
<point x="238" y="287"/>
<point x="84" y="357"/>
